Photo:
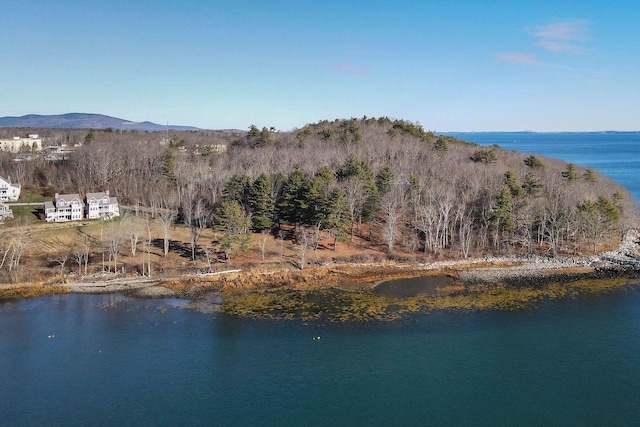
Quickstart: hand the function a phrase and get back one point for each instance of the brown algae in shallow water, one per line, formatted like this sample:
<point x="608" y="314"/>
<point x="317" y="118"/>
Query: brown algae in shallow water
<point x="339" y="305"/>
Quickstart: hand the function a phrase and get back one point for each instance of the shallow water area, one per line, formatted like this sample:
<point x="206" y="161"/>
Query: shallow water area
<point x="405" y="288"/>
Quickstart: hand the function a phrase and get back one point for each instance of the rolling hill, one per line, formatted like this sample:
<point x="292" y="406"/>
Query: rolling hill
<point x="84" y="121"/>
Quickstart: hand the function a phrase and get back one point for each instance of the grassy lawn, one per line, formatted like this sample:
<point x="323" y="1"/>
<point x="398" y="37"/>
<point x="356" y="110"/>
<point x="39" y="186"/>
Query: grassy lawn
<point x="24" y="212"/>
<point x="28" y="196"/>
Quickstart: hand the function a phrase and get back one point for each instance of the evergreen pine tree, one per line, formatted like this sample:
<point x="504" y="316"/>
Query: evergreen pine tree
<point x="262" y="207"/>
<point x="238" y="188"/>
<point x="234" y="224"/>
<point x="336" y="215"/>
<point x="384" y="179"/>
<point x="511" y="180"/>
<point x="320" y="188"/>
<point x="533" y="162"/>
<point x="292" y="206"/>
<point x="531" y="185"/>
<point x="501" y="216"/>
<point x="589" y="175"/>
<point x="570" y="173"/>
<point x="168" y="164"/>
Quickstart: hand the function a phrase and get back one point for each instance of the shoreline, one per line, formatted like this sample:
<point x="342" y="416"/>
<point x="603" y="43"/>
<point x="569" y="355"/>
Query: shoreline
<point x="483" y="283"/>
<point x="471" y="281"/>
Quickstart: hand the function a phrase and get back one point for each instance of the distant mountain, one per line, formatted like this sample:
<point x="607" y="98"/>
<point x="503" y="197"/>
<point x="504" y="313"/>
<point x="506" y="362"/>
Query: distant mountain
<point x="83" y="121"/>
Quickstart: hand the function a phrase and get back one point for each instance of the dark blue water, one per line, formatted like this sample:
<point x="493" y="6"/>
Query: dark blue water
<point x="616" y="154"/>
<point x="115" y="361"/>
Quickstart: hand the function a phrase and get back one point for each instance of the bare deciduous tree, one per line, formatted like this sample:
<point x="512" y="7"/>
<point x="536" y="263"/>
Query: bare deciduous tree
<point x="355" y="195"/>
<point x="134" y="227"/>
<point x="19" y="241"/>
<point x="114" y="240"/>
<point x="62" y="260"/>
<point x="304" y="241"/>
<point x="263" y="241"/>
<point x="166" y="218"/>
<point x="391" y="210"/>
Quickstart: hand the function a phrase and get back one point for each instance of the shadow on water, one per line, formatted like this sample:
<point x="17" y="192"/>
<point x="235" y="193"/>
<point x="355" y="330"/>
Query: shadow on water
<point x="404" y="288"/>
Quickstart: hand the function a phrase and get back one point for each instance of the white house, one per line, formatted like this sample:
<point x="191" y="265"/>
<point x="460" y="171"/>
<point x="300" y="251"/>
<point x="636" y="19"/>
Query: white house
<point x="101" y="205"/>
<point x="8" y="191"/>
<point x="17" y="144"/>
<point x="5" y="212"/>
<point x="65" y="207"/>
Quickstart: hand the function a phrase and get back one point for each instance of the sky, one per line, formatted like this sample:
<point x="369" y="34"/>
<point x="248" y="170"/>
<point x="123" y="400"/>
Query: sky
<point x="546" y="65"/>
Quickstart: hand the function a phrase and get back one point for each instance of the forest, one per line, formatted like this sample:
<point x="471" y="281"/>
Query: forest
<point x="383" y="181"/>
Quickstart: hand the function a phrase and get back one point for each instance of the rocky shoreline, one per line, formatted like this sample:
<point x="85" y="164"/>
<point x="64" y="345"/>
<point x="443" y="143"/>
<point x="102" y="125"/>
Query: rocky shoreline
<point x="513" y="271"/>
<point x="508" y="271"/>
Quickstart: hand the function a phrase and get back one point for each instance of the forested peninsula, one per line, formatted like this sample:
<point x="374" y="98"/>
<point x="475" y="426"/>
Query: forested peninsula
<point x="376" y="195"/>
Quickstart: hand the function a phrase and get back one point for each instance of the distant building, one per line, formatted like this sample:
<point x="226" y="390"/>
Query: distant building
<point x="101" y="205"/>
<point x="70" y="207"/>
<point x="65" y="207"/>
<point x="59" y="152"/>
<point x="17" y="144"/>
<point x="8" y="191"/>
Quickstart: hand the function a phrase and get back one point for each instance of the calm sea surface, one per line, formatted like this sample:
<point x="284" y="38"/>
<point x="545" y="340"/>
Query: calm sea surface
<point x="114" y="361"/>
<point x="108" y="360"/>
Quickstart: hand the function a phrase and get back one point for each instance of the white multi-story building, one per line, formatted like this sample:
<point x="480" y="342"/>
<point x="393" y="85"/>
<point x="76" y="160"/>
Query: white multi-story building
<point x="17" y="144"/>
<point x="70" y="207"/>
<point x="101" y="205"/>
<point x="8" y="191"/>
<point x="65" y="207"/>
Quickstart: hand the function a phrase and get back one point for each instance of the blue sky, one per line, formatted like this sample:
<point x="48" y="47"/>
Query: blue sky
<point x="450" y="65"/>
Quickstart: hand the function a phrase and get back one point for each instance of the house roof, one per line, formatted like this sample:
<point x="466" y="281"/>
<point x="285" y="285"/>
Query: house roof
<point x="68" y="198"/>
<point x="97" y="196"/>
<point x="100" y="196"/>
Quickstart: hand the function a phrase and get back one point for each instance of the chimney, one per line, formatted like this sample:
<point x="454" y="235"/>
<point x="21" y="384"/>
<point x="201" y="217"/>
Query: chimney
<point x="107" y="192"/>
<point x="56" y="196"/>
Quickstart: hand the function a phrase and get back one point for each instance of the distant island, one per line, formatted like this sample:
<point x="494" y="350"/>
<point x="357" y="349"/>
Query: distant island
<point x="334" y="202"/>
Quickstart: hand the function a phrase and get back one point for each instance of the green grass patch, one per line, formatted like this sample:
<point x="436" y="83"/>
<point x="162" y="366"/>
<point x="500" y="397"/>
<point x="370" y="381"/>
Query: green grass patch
<point x="24" y="212"/>
<point x="29" y="196"/>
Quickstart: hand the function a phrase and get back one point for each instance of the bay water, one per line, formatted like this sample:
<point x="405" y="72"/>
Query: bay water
<point x="110" y="360"/>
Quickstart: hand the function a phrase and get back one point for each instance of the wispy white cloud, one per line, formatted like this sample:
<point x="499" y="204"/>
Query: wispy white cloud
<point x="562" y="36"/>
<point x="522" y="58"/>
